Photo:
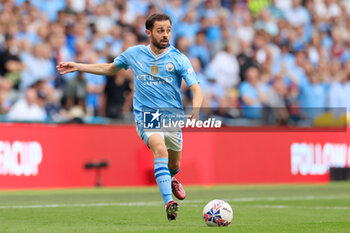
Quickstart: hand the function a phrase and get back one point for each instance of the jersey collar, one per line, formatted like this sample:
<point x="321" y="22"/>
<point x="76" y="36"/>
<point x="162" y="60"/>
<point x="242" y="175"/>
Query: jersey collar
<point x="157" y="56"/>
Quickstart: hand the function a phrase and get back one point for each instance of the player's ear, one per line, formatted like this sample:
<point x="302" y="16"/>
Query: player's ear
<point x="148" y="32"/>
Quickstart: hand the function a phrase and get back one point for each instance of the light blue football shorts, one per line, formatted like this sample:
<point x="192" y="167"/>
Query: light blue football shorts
<point x="173" y="139"/>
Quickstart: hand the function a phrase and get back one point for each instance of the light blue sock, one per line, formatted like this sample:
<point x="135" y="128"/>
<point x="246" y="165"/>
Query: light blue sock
<point x="173" y="172"/>
<point x="162" y="175"/>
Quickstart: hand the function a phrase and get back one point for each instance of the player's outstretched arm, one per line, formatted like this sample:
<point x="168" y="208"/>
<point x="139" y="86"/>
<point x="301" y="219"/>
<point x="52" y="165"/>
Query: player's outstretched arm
<point x="100" y="69"/>
<point x="196" y="101"/>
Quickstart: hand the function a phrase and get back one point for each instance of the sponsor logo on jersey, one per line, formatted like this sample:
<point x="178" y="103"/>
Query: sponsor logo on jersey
<point x="150" y="80"/>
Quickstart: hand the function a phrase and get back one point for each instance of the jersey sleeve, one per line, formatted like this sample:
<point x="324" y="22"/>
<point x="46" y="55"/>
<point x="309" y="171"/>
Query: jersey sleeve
<point x="187" y="73"/>
<point x="122" y="60"/>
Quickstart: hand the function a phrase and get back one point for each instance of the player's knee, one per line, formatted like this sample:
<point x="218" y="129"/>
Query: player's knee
<point x="159" y="150"/>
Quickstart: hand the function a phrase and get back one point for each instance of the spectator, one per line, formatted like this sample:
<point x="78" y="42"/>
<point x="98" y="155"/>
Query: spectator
<point x="54" y="110"/>
<point x="176" y="10"/>
<point x="189" y="26"/>
<point x="200" y="48"/>
<point x="95" y="85"/>
<point x="338" y="48"/>
<point x="297" y="72"/>
<point x="214" y="32"/>
<point x="267" y="23"/>
<point x="315" y="50"/>
<point x="276" y="102"/>
<point x="77" y="5"/>
<point x="262" y="52"/>
<point x="245" y="58"/>
<point x="49" y="8"/>
<point x="299" y="38"/>
<point x="339" y="93"/>
<point x="75" y="92"/>
<point x="346" y="5"/>
<point x="210" y="8"/>
<point x="76" y="115"/>
<point x="214" y="93"/>
<point x="326" y="39"/>
<point x="284" y="60"/>
<point x="25" y="33"/>
<point x="183" y="44"/>
<point x="327" y="9"/>
<point x="48" y="98"/>
<point x="298" y="15"/>
<point x="60" y="51"/>
<point x="38" y="66"/>
<point x="139" y="29"/>
<point x="293" y="103"/>
<point x="103" y="20"/>
<point x="10" y="64"/>
<point x="275" y="11"/>
<point x="253" y="94"/>
<point x="345" y="31"/>
<point x="116" y="40"/>
<point x="227" y="28"/>
<point x="27" y="108"/>
<point x="313" y="95"/>
<point x="5" y="102"/>
<point x="117" y="95"/>
<point x="286" y="39"/>
<point x="284" y="5"/>
<point x="245" y="31"/>
<point x="336" y="70"/>
<point x="226" y="67"/>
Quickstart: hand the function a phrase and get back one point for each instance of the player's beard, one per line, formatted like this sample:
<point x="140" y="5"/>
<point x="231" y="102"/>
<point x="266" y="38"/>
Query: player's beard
<point x="159" y="45"/>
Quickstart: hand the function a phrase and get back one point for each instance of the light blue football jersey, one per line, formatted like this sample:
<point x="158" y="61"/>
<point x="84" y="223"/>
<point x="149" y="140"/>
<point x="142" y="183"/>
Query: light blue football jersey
<point x="157" y="78"/>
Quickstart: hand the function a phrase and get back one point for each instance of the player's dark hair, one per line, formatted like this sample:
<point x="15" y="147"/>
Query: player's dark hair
<point x="156" y="17"/>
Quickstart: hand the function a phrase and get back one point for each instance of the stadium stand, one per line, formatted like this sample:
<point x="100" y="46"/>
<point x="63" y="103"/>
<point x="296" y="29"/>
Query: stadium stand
<point x="281" y="56"/>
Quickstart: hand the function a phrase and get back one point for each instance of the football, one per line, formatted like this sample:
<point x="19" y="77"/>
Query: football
<point x="217" y="213"/>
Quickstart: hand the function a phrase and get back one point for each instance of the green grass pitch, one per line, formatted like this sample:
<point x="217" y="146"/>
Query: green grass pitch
<point x="257" y="209"/>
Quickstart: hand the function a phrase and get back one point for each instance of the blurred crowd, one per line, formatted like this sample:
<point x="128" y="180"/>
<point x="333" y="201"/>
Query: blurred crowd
<point x="289" y="57"/>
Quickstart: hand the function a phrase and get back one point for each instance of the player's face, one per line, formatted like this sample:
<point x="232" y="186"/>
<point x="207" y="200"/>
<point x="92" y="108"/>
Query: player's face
<point x="160" y="34"/>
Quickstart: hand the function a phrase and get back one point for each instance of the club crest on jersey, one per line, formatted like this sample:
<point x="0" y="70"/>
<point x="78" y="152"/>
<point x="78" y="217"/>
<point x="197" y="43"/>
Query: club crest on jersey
<point x="169" y="67"/>
<point x="154" y="70"/>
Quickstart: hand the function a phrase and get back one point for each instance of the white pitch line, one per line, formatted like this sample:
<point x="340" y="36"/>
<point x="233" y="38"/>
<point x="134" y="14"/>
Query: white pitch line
<point x="158" y="203"/>
<point x="282" y="207"/>
<point x="84" y="205"/>
<point x="287" y="198"/>
<point x="296" y="207"/>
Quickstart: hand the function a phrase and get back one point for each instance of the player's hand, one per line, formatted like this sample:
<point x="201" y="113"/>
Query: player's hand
<point x="194" y="114"/>
<point x="67" y="67"/>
